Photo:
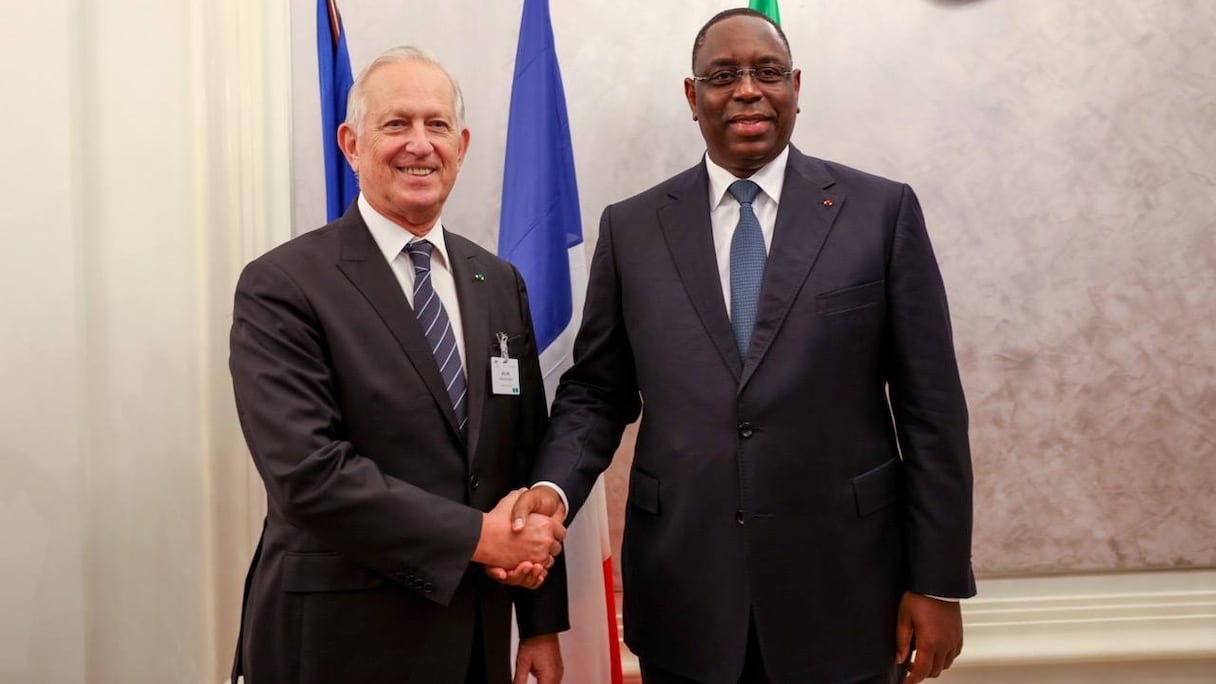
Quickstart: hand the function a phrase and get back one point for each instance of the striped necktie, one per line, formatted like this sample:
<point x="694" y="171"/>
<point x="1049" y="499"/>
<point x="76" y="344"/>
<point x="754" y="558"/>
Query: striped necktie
<point x="438" y="329"/>
<point x="746" y="265"/>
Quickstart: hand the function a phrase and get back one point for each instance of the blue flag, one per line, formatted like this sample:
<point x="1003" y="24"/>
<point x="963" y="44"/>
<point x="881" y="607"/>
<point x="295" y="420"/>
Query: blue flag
<point x="333" y="68"/>
<point x="540" y="219"/>
<point x="541" y="232"/>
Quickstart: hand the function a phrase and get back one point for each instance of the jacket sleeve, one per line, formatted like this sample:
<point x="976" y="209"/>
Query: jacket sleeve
<point x="543" y="610"/>
<point x="598" y="395"/>
<point x="930" y="413"/>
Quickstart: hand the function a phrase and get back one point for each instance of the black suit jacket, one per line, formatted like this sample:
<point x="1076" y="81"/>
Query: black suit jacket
<point x="807" y="486"/>
<point x="374" y="498"/>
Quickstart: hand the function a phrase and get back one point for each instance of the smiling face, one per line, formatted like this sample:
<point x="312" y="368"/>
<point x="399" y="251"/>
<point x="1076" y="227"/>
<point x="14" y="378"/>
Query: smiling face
<point x="409" y="146"/>
<point x="748" y="123"/>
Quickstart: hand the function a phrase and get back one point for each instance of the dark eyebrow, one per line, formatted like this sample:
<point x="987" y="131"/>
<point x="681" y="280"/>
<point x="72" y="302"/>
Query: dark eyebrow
<point x="727" y="62"/>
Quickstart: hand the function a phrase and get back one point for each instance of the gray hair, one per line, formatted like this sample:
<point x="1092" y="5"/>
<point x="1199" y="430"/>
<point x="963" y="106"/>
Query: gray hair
<point x="356" y="101"/>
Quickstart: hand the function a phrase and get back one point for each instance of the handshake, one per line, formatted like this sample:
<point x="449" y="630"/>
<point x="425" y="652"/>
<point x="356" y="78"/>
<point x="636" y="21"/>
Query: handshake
<point x="521" y="538"/>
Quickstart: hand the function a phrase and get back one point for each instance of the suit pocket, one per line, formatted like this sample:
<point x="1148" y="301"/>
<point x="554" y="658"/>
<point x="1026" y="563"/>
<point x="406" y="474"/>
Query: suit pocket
<point x="878" y="487"/>
<point x="850" y="298"/>
<point x="315" y="572"/>
<point x="644" y="491"/>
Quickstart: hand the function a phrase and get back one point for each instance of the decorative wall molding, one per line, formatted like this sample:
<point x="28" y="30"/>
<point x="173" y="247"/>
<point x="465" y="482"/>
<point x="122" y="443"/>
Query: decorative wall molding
<point x="1169" y="614"/>
<point x="1078" y="619"/>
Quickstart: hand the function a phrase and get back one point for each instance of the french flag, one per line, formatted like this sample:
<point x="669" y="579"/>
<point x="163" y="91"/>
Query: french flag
<point x="541" y="232"/>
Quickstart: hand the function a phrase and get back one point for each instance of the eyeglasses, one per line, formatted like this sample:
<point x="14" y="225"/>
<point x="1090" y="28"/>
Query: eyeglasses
<point x="728" y="76"/>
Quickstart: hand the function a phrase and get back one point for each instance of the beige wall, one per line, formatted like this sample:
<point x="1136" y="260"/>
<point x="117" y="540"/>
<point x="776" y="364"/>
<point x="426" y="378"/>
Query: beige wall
<point x="1065" y="155"/>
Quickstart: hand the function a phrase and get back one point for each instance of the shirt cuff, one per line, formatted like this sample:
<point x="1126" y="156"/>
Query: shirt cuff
<point x="939" y="598"/>
<point x="560" y="493"/>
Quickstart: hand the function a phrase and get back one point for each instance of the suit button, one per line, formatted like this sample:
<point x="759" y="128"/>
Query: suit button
<point x="746" y="429"/>
<point x="401" y="577"/>
<point x="428" y="587"/>
<point x="474" y="483"/>
<point x="739" y="517"/>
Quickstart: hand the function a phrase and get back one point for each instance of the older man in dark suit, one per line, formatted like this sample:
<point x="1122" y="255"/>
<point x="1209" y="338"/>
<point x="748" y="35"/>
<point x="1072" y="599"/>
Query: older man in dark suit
<point x="799" y="509"/>
<point x="361" y="360"/>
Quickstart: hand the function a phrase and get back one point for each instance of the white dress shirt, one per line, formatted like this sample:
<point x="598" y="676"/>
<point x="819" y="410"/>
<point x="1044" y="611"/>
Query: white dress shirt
<point x="724" y="209"/>
<point x="392" y="239"/>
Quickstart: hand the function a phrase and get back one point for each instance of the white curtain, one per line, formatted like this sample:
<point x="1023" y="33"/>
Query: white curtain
<point x="146" y="161"/>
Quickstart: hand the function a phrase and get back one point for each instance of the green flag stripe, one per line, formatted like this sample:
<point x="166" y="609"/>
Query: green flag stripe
<point x="767" y="8"/>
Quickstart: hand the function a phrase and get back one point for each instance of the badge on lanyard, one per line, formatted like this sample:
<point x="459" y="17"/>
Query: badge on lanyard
<point x="504" y="370"/>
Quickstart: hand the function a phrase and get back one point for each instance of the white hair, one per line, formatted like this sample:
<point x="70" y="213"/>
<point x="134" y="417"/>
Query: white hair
<point x="356" y="101"/>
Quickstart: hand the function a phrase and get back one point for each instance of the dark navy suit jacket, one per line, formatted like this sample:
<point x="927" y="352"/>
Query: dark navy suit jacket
<point x="808" y="485"/>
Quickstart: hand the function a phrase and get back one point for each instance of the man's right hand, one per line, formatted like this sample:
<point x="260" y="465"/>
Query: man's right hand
<point x="537" y="540"/>
<point x="532" y="503"/>
<point x="540" y="500"/>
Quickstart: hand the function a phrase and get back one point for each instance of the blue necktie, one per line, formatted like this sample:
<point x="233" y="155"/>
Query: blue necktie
<point x="746" y="265"/>
<point x="438" y="328"/>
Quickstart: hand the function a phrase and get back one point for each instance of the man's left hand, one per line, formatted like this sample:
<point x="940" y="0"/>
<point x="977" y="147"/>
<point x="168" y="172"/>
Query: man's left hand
<point x="540" y="656"/>
<point x="526" y="575"/>
<point x="936" y="626"/>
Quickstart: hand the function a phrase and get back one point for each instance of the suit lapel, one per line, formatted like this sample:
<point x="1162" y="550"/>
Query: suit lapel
<point x="805" y="216"/>
<point x="473" y="295"/>
<point x="686" y="228"/>
<point x="364" y="265"/>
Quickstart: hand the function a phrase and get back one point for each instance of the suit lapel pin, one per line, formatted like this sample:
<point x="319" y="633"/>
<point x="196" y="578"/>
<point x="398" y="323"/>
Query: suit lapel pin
<point x="827" y="203"/>
<point x="479" y="276"/>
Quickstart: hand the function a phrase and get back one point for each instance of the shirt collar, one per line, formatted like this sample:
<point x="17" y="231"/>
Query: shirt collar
<point x="392" y="238"/>
<point x="770" y="178"/>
